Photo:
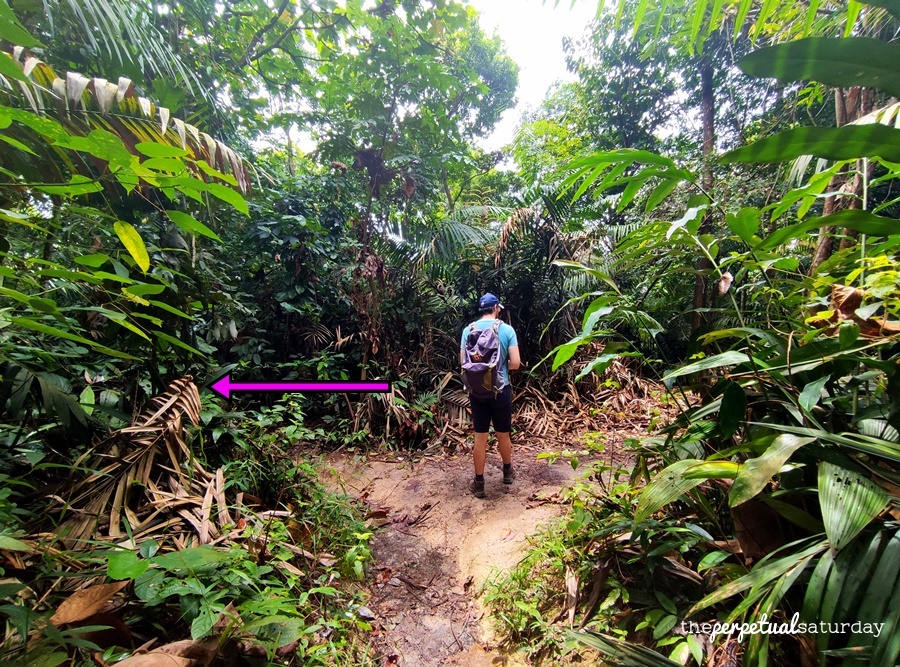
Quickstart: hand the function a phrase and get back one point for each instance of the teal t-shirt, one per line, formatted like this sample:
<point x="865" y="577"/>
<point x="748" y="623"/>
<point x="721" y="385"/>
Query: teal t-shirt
<point x="507" y="336"/>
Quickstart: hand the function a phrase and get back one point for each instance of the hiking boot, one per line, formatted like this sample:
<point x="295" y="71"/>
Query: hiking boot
<point x="477" y="488"/>
<point x="509" y="475"/>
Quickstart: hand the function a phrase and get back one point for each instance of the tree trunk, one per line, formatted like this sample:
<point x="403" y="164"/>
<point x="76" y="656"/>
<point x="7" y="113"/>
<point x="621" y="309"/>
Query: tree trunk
<point x="848" y="106"/>
<point x="708" y="118"/>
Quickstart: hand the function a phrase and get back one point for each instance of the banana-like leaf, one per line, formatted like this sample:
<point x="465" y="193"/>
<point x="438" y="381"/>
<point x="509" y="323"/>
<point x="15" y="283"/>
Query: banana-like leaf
<point x="666" y="487"/>
<point x="892" y="6"/>
<point x="834" y="143"/>
<point x="621" y="653"/>
<point x="849" y="502"/>
<point x="856" y="441"/>
<point x="756" y="473"/>
<point x="846" y="62"/>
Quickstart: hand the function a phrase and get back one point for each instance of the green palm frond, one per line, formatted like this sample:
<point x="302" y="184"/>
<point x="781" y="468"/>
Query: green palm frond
<point x="859" y="584"/>
<point x="123" y="32"/>
<point x="83" y="104"/>
<point x="621" y="653"/>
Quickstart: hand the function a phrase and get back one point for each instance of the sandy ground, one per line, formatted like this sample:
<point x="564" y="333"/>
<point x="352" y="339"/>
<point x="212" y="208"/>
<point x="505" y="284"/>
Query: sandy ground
<point x="436" y="544"/>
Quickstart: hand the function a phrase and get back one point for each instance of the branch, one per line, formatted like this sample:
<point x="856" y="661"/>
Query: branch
<point x="258" y="37"/>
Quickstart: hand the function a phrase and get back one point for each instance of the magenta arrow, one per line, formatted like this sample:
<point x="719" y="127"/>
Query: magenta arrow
<point x="224" y="386"/>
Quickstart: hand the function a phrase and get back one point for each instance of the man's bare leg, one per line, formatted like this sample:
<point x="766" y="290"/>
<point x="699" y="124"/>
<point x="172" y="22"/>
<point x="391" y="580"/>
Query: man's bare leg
<point x="480" y="451"/>
<point x="504" y="444"/>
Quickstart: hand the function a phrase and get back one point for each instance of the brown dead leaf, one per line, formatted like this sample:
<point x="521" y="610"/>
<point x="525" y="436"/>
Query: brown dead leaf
<point x="155" y="660"/>
<point x="200" y="653"/>
<point x="571" y="594"/>
<point x="86" y="602"/>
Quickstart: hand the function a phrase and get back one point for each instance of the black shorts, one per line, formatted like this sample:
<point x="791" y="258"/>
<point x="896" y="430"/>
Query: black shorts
<point x="498" y="409"/>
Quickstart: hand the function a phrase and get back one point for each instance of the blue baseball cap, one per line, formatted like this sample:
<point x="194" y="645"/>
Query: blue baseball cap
<point x="488" y="301"/>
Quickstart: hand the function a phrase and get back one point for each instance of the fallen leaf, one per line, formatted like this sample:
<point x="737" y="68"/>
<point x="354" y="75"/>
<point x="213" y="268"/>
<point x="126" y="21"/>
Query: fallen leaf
<point x="571" y="594"/>
<point x="86" y="602"/>
<point x="155" y="660"/>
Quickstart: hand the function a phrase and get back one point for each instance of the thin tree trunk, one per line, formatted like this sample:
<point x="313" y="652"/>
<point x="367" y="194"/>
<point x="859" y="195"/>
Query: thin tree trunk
<point x="708" y="118"/>
<point x="848" y="106"/>
<point x="825" y="244"/>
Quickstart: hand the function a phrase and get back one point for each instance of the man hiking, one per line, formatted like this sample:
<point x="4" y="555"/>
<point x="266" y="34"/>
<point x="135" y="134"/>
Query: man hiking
<point x="489" y="350"/>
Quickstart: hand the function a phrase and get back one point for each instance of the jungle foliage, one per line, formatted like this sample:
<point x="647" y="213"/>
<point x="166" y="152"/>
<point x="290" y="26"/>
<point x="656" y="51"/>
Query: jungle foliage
<point x="714" y="196"/>
<point x="773" y="496"/>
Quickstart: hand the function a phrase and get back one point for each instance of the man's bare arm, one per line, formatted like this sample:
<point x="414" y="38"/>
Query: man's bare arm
<point x="462" y="357"/>
<point x="515" y="361"/>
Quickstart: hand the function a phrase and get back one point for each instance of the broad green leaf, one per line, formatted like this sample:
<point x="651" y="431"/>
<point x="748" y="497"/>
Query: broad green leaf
<point x="861" y="221"/>
<point x="849" y="502"/>
<point x="730" y="358"/>
<point x="164" y="164"/>
<point x="757" y="472"/>
<point x="666" y="487"/>
<point x="16" y="295"/>
<point x="812" y="393"/>
<point x="862" y="443"/>
<point x="692" y="214"/>
<point x="834" y="143"/>
<point x="125" y="565"/>
<point x="660" y="192"/>
<point x="125" y="324"/>
<point x="846" y="62"/>
<point x="77" y="185"/>
<point x="13" y="31"/>
<point x="43" y="305"/>
<point x="160" y="150"/>
<point x="191" y="225"/>
<point x="744" y="224"/>
<point x="226" y="194"/>
<point x="190" y="559"/>
<point x="59" y="333"/>
<point x="712" y="559"/>
<point x="12" y="544"/>
<point x="145" y="289"/>
<point x="795" y="515"/>
<point x="171" y="309"/>
<point x="94" y="261"/>
<point x="209" y="171"/>
<point x="567" y="350"/>
<point x="733" y="410"/>
<point x="713" y="470"/>
<point x="177" y="343"/>
<point x="765" y="573"/>
<point x="133" y="243"/>
<point x="15" y="143"/>
<point x="9" y="68"/>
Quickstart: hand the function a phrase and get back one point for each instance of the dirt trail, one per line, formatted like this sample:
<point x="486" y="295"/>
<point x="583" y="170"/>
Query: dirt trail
<point x="437" y="544"/>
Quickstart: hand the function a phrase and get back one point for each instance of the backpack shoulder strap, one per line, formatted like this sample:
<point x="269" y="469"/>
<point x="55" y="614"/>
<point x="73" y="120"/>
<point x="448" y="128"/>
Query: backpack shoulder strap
<point x="496" y="326"/>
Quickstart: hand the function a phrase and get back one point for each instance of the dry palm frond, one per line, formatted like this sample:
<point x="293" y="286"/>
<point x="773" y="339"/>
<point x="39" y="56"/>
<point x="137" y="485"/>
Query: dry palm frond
<point x="516" y="222"/>
<point x="146" y="476"/>
<point x="317" y="334"/>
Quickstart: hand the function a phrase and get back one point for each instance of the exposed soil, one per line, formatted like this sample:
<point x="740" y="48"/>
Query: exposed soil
<point x="436" y="545"/>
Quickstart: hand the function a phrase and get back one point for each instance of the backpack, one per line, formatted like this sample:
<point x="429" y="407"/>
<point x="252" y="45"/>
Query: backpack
<point x="481" y="369"/>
